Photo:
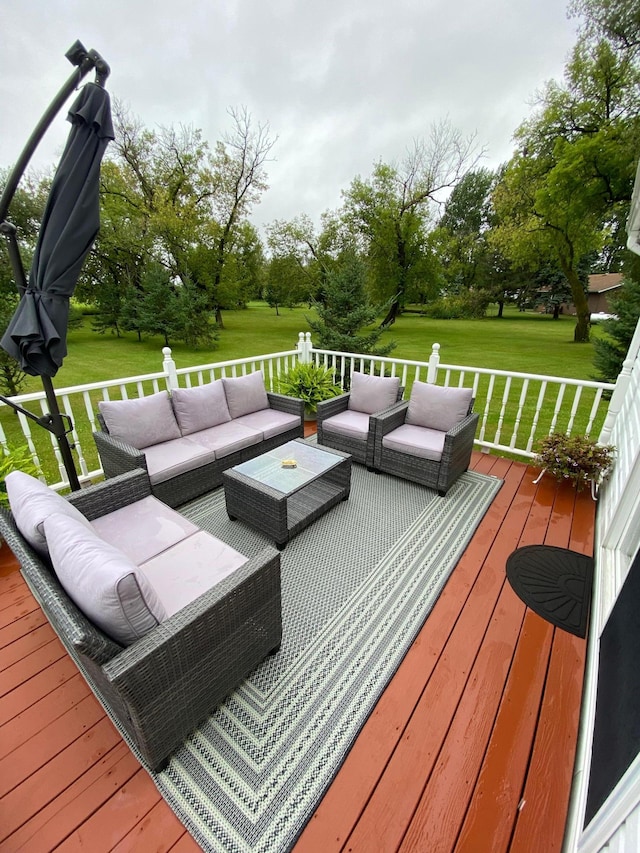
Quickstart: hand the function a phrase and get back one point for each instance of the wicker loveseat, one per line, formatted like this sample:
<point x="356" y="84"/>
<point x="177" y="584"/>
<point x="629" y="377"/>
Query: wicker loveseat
<point x="159" y="687"/>
<point x="187" y="439"/>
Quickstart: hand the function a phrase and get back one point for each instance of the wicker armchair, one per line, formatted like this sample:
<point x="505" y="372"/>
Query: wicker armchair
<point x="345" y="422"/>
<point x="421" y="442"/>
<point x="160" y="688"/>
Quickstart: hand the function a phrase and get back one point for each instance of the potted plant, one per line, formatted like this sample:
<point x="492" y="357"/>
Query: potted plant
<point x="311" y="383"/>
<point x="576" y="458"/>
<point x="15" y="459"/>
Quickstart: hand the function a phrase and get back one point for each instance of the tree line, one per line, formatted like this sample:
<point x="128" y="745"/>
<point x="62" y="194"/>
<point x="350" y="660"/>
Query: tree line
<point x="435" y="231"/>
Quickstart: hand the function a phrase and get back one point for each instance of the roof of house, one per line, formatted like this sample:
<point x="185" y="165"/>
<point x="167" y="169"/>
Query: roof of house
<point x="602" y="282"/>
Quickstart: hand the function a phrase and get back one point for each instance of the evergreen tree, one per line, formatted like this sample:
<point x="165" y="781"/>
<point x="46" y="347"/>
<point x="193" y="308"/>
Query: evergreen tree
<point x="345" y="312"/>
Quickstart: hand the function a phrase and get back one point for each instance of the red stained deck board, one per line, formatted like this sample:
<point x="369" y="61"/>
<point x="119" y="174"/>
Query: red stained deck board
<point x="41" y="787"/>
<point x="25" y="645"/>
<point x="391" y="806"/>
<point x="33" y="689"/>
<point x="21" y="627"/>
<point x="133" y="801"/>
<point x="159" y="830"/>
<point x="46" y="744"/>
<point x="494" y="806"/>
<point x="75" y="804"/>
<point x="334" y="819"/>
<point x="439" y="815"/>
<point x="37" y="661"/>
<point x="38" y="716"/>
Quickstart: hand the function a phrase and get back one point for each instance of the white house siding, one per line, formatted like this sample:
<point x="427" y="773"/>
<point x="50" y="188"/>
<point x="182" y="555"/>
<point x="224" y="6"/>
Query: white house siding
<point x="616" y="826"/>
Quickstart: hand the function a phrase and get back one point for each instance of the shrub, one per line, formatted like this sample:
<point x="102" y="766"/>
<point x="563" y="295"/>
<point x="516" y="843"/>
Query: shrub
<point x="311" y="383"/>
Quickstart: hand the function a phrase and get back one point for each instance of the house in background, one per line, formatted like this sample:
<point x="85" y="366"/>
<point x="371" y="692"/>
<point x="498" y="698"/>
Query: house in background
<point x="601" y="287"/>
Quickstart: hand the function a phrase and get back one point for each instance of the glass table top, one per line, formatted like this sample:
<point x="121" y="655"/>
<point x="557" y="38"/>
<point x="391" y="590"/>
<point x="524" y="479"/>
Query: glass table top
<point x="310" y="463"/>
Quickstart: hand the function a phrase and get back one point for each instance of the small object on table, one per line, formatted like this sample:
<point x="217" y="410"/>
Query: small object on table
<point x="289" y="463"/>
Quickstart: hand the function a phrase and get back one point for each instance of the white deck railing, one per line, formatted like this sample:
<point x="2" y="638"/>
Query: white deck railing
<point x="515" y="408"/>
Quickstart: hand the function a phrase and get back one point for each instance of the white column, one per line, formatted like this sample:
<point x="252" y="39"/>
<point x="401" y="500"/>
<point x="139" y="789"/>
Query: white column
<point x="434" y="361"/>
<point x="169" y="368"/>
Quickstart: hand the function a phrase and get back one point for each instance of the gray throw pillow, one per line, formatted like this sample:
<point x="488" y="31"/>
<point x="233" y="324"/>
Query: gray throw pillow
<point x="110" y="590"/>
<point x="435" y="407"/>
<point x="370" y="394"/>
<point x="201" y="407"/>
<point x="143" y="421"/>
<point x="246" y="394"/>
<point x="31" y="502"/>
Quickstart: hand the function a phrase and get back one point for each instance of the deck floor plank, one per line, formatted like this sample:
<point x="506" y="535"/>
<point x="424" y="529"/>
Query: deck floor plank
<point x="485" y="702"/>
<point x="356" y="780"/>
<point x="391" y="806"/>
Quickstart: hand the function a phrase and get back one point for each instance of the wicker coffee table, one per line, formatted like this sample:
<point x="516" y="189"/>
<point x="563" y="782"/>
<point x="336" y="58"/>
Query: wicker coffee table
<point x="281" y="501"/>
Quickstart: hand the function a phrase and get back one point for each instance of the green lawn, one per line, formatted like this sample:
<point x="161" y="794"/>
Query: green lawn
<point x="526" y="342"/>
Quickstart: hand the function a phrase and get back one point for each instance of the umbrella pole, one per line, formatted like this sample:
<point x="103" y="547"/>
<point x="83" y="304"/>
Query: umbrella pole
<point x="58" y="429"/>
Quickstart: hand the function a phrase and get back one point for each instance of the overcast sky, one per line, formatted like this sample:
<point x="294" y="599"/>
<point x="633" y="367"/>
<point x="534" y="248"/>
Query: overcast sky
<point x="342" y="83"/>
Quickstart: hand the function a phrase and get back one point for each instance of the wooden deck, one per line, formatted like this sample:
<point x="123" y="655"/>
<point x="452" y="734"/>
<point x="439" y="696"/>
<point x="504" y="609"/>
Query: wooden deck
<point x="470" y="749"/>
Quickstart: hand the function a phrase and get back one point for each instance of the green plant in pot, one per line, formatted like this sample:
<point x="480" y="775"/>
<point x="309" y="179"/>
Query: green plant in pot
<point x="576" y="458"/>
<point x="312" y="383"/>
<point x="15" y="459"/>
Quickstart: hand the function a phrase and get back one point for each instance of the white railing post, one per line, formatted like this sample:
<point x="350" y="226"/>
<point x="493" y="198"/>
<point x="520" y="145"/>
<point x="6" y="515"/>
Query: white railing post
<point x="434" y="361"/>
<point x="169" y="368"/>
<point x="304" y="347"/>
<point x="622" y="386"/>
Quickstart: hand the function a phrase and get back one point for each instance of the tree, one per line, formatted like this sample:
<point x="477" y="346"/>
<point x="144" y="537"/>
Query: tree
<point x="238" y="174"/>
<point x="566" y="192"/>
<point x="391" y="209"/>
<point x="346" y="312"/>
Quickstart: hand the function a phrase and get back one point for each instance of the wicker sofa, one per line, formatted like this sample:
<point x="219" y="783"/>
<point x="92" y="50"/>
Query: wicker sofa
<point x="159" y="687"/>
<point x="185" y="441"/>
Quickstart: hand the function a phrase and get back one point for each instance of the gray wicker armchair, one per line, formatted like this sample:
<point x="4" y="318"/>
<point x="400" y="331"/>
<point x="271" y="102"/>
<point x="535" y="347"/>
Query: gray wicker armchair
<point x="160" y="688"/>
<point x="345" y="422"/>
<point x="428" y="439"/>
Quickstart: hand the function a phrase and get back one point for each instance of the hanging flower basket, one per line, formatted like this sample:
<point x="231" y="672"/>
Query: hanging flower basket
<point x="576" y="458"/>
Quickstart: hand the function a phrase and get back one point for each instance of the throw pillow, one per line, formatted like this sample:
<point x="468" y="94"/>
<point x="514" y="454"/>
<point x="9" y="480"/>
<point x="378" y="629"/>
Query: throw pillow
<point x="246" y="394"/>
<point x="31" y="502"/>
<point x="435" y="407"/>
<point x="201" y="407"/>
<point x="143" y="421"/>
<point x="110" y="590"/>
<point x="370" y="394"/>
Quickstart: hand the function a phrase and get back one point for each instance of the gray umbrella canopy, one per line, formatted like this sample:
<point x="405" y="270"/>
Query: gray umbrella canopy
<point x="37" y="333"/>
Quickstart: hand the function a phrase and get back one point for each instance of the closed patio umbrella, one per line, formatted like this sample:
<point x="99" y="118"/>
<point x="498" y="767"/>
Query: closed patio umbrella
<point x="36" y="334"/>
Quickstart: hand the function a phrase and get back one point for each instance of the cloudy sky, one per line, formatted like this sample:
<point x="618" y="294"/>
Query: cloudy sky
<point x="342" y="83"/>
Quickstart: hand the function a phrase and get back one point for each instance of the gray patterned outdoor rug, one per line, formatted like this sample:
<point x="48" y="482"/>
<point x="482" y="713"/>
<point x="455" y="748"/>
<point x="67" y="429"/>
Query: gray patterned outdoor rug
<point x="357" y="586"/>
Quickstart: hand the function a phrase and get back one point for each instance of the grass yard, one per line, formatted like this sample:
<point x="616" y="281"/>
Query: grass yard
<point x="523" y="342"/>
<point x="526" y="342"/>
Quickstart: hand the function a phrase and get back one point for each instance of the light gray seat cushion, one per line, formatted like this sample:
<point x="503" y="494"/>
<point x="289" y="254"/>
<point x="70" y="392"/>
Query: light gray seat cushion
<point x="201" y="407"/>
<point x="435" y="407"/>
<point x="245" y="394"/>
<point x="417" y="441"/>
<point x="172" y="458"/>
<point x="372" y="394"/>
<point x="348" y="423"/>
<point x="141" y="422"/>
<point x="143" y="529"/>
<point x="269" y="422"/>
<point x="191" y="567"/>
<point x="226" y="438"/>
